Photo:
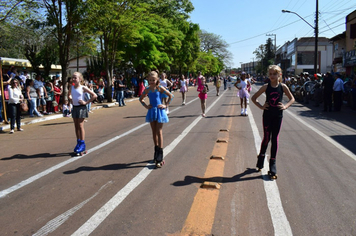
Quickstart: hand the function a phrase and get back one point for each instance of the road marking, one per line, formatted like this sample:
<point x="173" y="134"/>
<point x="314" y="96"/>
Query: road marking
<point x="201" y="216"/>
<point x="52" y="225"/>
<point x="279" y="219"/>
<point x="32" y="179"/>
<point x="89" y="226"/>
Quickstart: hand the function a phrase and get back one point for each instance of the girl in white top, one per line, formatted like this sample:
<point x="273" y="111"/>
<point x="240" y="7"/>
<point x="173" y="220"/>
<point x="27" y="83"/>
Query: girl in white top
<point x="243" y="86"/>
<point x="183" y="84"/>
<point x="164" y="82"/>
<point x="80" y="111"/>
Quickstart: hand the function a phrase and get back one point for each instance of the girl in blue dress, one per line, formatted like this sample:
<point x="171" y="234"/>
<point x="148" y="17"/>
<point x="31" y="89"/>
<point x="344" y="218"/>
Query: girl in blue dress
<point x="156" y="113"/>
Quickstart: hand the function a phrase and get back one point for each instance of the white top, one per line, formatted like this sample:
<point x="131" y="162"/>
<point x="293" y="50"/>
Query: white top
<point x="183" y="83"/>
<point x="243" y="84"/>
<point x="163" y="82"/>
<point x="77" y="94"/>
<point x="14" y="95"/>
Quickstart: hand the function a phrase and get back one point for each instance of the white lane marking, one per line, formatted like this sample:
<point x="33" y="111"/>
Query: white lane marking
<point x="32" y="179"/>
<point x="89" y="226"/>
<point x="279" y="219"/>
<point x="52" y="225"/>
<point x="326" y="137"/>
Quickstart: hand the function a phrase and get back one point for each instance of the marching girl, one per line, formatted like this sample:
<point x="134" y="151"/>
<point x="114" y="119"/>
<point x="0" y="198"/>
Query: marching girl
<point x="272" y="115"/>
<point x="156" y="113"/>
<point x="203" y="90"/>
<point x="183" y="84"/>
<point x="166" y="84"/>
<point x="242" y="86"/>
<point x="80" y="110"/>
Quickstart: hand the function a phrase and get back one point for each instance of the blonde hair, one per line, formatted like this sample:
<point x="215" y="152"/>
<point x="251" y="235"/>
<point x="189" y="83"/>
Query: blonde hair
<point x="154" y="74"/>
<point x="80" y="77"/>
<point x="276" y="69"/>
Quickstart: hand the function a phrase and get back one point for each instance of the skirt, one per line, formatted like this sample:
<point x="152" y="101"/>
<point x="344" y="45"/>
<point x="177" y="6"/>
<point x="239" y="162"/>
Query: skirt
<point x="203" y="96"/>
<point x="80" y="111"/>
<point x="183" y="89"/>
<point x="242" y="93"/>
<point x="157" y="114"/>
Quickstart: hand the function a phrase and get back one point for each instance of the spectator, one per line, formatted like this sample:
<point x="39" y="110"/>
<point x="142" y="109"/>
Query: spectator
<point x="141" y="86"/>
<point x="57" y="92"/>
<point x="135" y="83"/>
<point x="67" y="108"/>
<point x="87" y="95"/>
<point x="327" y="84"/>
<point x="120" y="88"/>
<point x="338" y="90"/>
<point x="42" y="94"/>
<point x="15" y="97"/>
<point x="32" y="98"/>
<point x="49" y="98"/>
<point x="353" y="91"/>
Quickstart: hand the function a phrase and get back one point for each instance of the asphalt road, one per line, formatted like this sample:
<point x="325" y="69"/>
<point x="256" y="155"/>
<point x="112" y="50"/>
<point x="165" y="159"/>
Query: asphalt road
<point x="115" y="189"/>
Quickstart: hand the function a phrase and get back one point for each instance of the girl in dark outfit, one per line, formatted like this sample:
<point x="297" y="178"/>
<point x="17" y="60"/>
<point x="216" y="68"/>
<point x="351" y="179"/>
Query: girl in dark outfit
<point x="272" y="115"/>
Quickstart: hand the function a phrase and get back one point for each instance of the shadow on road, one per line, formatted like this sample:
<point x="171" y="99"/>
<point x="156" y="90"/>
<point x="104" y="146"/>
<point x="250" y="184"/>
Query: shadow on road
<point x="119" y="166"/>
<point x="38" y="155"/>
<point x="236" y="178"/>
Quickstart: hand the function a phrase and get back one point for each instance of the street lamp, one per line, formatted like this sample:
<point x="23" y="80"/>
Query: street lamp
<point x="316" y="34"/>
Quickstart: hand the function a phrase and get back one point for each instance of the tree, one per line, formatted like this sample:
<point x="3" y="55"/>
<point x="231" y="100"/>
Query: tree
<point x="64" y="16"/>
<point x="215" y="44"/>
<point x="265" y="55"/>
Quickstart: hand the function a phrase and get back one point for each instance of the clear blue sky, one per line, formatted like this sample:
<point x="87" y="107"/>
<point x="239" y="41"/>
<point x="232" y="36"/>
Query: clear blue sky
<point x="243" y="24"/>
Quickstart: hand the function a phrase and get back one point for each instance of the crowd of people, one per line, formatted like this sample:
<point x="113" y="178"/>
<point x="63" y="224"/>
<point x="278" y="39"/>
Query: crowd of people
<point x="330" y="89"/>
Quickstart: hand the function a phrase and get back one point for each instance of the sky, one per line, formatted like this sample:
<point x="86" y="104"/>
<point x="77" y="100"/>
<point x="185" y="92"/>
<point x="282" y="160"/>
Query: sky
<point x="243" y="24"/>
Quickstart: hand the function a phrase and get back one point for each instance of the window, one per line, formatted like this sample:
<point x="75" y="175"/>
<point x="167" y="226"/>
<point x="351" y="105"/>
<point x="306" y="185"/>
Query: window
<point x="353" y="31"/>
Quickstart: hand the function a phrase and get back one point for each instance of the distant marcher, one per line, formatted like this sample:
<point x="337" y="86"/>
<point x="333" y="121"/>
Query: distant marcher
<point x="164" y="82"/>
<point x="242" y="85"/>
<point x="203" y="90"/>
<point x="183" y="88"/>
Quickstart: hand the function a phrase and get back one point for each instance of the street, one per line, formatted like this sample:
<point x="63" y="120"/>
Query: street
<point x="116" y="190"/>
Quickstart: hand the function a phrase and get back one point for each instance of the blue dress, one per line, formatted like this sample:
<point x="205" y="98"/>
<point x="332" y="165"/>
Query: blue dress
<point x="155" y="113"/>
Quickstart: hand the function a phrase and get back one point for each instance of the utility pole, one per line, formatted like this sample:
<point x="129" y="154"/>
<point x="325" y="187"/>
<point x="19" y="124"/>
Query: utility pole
<point x="275" y="45"/>
<point x="316" y="38"/>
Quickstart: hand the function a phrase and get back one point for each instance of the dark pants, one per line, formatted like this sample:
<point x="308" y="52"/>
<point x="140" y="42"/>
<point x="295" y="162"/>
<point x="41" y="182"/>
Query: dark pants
<point x="15" y="114"/>
<point x="271" y="128"/>
<point x="337" y="100"/>
<point x="328" y="100"/>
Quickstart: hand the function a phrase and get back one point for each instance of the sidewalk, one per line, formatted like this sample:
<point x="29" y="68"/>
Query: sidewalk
<point x="32" y="120"/>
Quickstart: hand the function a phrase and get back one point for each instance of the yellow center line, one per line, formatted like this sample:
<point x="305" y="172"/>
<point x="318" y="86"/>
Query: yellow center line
<point x="202" y="212"/>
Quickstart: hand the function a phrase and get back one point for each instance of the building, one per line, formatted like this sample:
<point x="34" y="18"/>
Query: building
<point x="349" y="58"/>
<point x="339" y="42"/>
<point x="297" y="56"/>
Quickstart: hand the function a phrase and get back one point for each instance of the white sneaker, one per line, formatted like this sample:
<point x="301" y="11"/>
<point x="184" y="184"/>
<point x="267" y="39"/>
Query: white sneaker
<point x="11" y="131"/>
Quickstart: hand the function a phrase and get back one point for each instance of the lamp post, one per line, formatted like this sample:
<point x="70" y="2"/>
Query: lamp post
<point x="316" y="33"/>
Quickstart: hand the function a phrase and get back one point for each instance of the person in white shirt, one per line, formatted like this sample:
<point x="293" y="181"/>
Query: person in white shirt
<point x="15" y="97"/>
<point x="338" y="91"/>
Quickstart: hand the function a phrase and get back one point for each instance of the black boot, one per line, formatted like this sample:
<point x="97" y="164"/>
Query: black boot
<point x="272" y="168"/>
<point x="156" y="153"/>
<point x="260" y="161"/>
<point x="159" y="159"/>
